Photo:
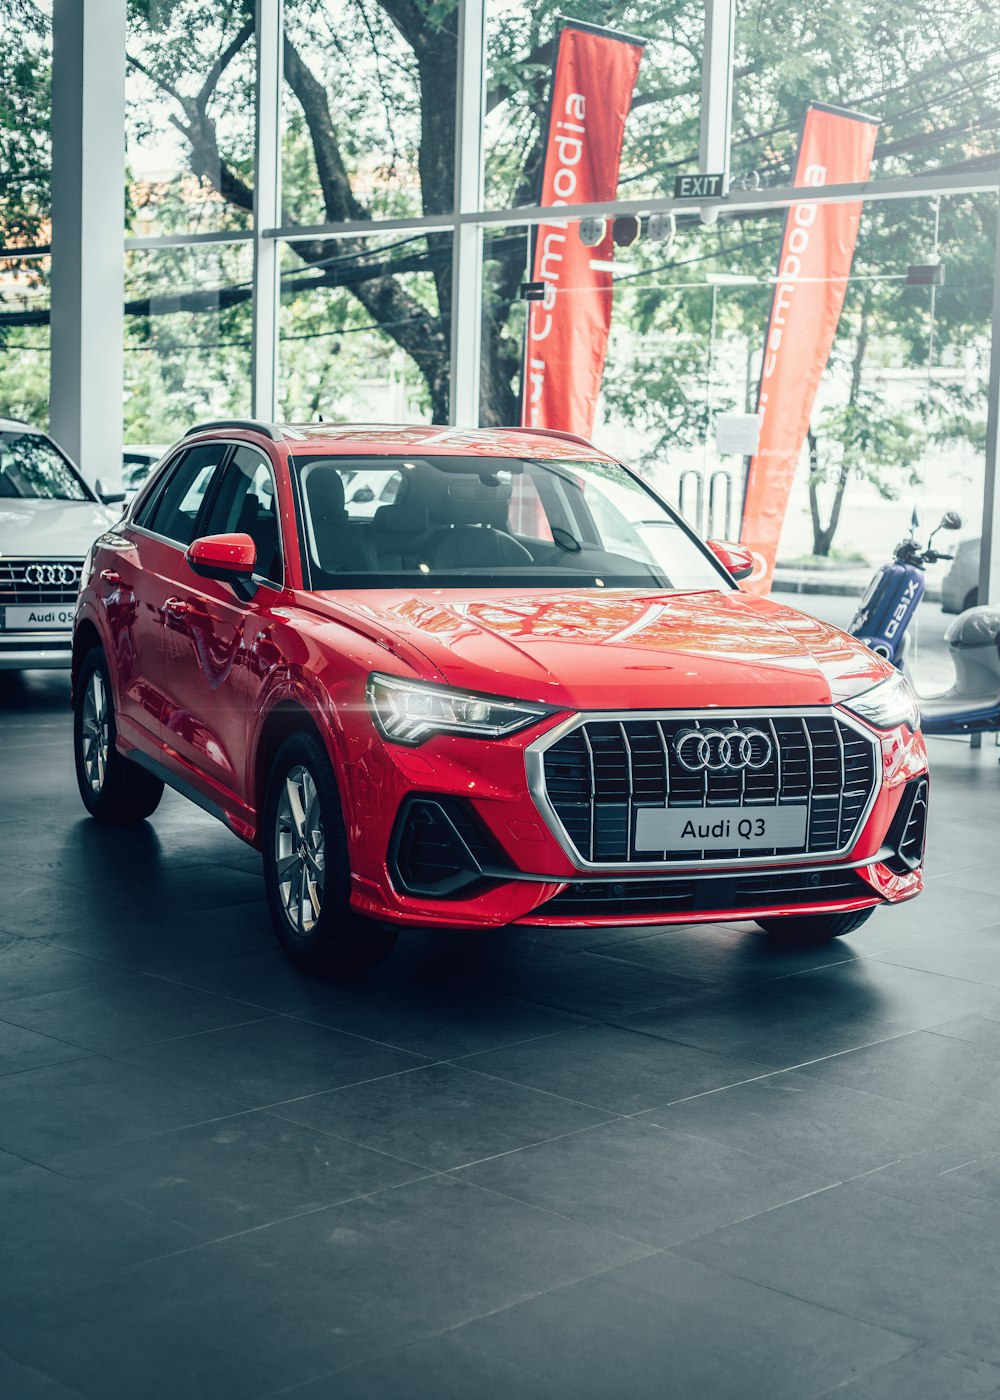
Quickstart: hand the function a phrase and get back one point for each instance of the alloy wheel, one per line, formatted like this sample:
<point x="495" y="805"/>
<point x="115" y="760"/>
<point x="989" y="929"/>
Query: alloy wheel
<point x="299" y="850"/>
<point x="95" y="731"/>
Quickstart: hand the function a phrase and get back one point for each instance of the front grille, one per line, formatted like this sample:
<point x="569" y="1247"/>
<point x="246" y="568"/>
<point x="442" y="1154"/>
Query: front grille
<point x="601" y="773"/>
<point x="39" y="580"/>
<point x="711" y="895"/>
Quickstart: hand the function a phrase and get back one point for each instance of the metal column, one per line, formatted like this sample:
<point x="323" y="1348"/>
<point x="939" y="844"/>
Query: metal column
<point x="267" y="211"/>
<point x="717" y="87"/>
<point x="88" y="275"/>
<point x="467" y="253"/>
<point x="989" y="555"/>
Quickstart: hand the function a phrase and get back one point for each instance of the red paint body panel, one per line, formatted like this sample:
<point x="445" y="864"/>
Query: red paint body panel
<point x="195" y="685"/>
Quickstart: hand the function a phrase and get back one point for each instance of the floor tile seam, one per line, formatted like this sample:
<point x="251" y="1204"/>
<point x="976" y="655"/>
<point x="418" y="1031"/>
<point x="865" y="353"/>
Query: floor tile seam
<point x="527" y="1147"/>
<point x="433" y="1335"/>
<point x="677" y="1251"/>
<point x="652" y="1035"/>
<point x="820" y="1083"/>
<point x="270" y="1106"/>
<point x="204" y="1244"/>
<point x="610" y="1113"/>
<point x="270" y="1016"/>
<point x="785" y="1069"/>
<point x="960" y="1204"/>
<point x="422" y="1167"/>
<point x="449" y="1060"/>
<point x="44" y="1035"/>
<point x="643" y="1246"/>
<point x="72" y="1392"/>
<point x="131" y="1045"/>
<point x="789" y="1069"/>
<point x="209" y="962"/>
<point x="528" y="1040"/>
<point x="885" y="958"/>
<point x="54" y="1164"/>
<point x="796" y="1166"/>
<point x="761" y="981"/>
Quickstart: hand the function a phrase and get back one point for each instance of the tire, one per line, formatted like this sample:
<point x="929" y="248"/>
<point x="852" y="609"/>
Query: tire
<point x="306" y="869"/>
<point x="815" y="928"/>
<point x="971" y="599"/>
<point x="114" y="789"/>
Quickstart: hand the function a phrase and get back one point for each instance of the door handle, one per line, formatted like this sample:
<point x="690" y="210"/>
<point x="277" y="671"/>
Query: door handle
<point x="110" y="576"/>
<point x="176" y="607"/>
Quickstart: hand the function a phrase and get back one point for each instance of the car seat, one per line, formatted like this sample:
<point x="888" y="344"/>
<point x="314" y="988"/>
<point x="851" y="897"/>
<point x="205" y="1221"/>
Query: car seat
<point x="258" y="521"/>
<point x="474" y="536"/>
<point x="341" y="545"/>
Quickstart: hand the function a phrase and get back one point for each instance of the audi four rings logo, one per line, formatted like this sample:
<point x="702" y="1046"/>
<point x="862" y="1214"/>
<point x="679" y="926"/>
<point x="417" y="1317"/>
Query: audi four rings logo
<point x="42" y="575"/>
<point x="720" y="749"/>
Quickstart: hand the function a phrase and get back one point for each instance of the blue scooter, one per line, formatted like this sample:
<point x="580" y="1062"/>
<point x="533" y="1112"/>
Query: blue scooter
<point x="972" y="705"/>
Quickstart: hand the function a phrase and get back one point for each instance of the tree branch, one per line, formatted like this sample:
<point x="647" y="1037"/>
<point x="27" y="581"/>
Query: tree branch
<point x="222" y="63"/>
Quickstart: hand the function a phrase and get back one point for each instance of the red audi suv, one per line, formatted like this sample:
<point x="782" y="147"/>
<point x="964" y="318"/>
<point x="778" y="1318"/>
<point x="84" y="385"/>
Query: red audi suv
<point x="519" y="690"/>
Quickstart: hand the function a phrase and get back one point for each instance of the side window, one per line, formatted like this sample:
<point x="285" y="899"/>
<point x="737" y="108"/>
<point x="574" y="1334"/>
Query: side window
<point x="174" y="514"/>
<point x="246" y="504"/>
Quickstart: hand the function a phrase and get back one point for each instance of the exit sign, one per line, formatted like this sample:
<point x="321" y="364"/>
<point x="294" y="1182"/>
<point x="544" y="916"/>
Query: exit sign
<point x="699" y="186"/>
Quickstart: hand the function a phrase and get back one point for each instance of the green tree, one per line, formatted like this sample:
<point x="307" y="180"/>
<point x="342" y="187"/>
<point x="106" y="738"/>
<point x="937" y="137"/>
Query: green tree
<point x="369" y="132"/>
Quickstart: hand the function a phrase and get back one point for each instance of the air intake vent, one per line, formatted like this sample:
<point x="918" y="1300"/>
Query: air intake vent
<point x="713" y="894"/>
<point x="439" y="849"/>
<point x="909" y="828"/>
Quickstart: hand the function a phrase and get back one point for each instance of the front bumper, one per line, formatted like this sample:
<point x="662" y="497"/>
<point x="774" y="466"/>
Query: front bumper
<point x="520" y="871"/>
<point x="31" y="651"/>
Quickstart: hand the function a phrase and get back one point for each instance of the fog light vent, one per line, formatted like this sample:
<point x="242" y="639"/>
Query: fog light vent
<point x="439" y="849"/>
<point x="909" y="829"/>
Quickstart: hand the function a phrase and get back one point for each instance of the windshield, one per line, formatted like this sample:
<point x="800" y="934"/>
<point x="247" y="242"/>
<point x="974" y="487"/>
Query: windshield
<point x="384" y="522"/>
<point x="32" y="466"/>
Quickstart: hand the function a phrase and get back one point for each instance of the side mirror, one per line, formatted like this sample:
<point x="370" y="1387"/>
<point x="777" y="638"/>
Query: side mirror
<point x="736" y="559"/>
<point x="229" y="558"/>
<point x="110" y="498"/>
<point x="951" y="520"/>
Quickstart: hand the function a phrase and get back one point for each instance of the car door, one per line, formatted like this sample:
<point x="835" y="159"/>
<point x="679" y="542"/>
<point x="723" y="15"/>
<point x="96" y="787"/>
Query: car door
<point x="214" y="664"/>
<point x="139" y="578"/>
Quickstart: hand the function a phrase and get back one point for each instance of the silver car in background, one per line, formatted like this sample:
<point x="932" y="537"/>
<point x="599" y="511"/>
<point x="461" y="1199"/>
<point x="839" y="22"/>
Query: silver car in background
<point x="49" y="517"/>
<point x="960" y="587"/>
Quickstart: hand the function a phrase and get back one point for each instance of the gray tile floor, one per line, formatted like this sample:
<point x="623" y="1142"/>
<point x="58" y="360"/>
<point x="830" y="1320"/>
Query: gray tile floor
<point x="679" y="1162"/>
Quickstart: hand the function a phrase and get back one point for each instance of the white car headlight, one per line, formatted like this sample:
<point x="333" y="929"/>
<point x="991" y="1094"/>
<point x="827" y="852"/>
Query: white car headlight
<point x="408" y="712"/>
<point x="887" y="704"/>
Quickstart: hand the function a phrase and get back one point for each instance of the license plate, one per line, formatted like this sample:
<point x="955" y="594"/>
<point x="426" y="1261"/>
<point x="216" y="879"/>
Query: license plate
<point x="712" y="828"/>
<point x="39" y="617"/>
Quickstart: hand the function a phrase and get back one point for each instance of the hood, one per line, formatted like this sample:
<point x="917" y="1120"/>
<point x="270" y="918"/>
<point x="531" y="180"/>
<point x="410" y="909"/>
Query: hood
<point x="51" y="529"/>
<point x="619" y="649"/>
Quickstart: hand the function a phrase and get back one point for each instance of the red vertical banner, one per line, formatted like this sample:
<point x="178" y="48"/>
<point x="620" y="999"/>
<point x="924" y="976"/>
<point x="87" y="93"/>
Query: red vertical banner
<point x="817" y="251"/>
<point x="567" y="331"/>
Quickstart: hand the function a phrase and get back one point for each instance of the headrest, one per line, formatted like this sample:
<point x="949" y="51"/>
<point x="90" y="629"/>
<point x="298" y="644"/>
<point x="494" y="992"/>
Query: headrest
<point x="472" y="502"/>
<point x="979" y="627"/>
<point x="401" y="520"/>
<point x="325" y="490"/>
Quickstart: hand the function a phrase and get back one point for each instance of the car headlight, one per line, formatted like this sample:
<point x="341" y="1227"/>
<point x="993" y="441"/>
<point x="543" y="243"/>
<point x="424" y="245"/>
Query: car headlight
<point x="887" y="704"/>
<point x="408" y="712"/>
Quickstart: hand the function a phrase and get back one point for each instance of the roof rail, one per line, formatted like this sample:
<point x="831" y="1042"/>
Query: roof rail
<point x="250" y="424"/>
<point x="558" y="433"/>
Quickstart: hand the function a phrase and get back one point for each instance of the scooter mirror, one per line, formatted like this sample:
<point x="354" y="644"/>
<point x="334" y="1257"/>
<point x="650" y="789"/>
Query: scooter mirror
<point x="951" y="520"/>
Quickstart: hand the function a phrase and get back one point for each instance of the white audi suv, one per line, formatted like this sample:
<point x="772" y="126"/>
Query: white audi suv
<point x="49" y="517"/>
